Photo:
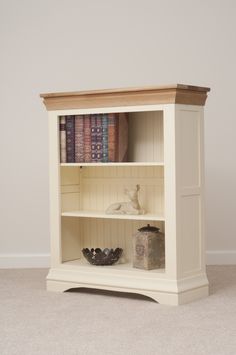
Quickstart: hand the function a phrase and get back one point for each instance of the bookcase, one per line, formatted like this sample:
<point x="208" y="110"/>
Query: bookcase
<point x="165" y="157"/>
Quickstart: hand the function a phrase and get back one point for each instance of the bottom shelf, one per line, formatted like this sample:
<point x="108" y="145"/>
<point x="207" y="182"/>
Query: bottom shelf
<point x="124" y="267"/>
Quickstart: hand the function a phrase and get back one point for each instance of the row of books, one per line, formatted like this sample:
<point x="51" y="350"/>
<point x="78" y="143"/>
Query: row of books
<point x="94" y="138"/>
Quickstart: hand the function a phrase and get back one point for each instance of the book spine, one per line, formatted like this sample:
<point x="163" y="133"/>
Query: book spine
<point x="112" y="137"/>
<point x="105" y="138"/>
<point x="79" y="139"/>
<point x="70" y="139"/>
<point x="63" y="139"/>
<point x="87" y="139"/>
<point x="99" y="138"/>
<point x="93" y="138"/>
<point x="122" y="138"/>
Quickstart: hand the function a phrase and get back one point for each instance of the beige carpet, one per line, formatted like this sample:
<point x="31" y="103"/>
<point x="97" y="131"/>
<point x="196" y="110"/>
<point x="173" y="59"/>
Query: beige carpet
<point x="36" y="322"/>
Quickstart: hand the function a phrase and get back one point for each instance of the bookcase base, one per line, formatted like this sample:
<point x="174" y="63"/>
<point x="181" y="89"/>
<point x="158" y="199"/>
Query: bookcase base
<point x="162" y="297"/>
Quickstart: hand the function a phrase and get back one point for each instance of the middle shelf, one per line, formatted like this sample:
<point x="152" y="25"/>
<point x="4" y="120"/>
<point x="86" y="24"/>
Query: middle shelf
<point x="101" y="214"/>
<point x="88" y="192"/>
<point x="116" y="164"/>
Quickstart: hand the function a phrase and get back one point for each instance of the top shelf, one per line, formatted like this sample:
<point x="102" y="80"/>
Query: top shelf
<point x="114" y="164"/>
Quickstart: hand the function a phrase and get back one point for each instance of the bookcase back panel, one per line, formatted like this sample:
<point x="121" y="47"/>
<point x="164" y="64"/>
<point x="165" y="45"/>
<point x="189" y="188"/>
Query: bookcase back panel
<point x="70" y="202"/>
<point x="102" y="186"/>
<point x="146" y="136"/>
<point x="71" y="239"/>
<point x="95" y="232"/>
<point x="70" y="189"/>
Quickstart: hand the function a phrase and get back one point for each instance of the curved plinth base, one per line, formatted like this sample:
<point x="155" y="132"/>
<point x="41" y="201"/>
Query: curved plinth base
<point x="167" y="298"/>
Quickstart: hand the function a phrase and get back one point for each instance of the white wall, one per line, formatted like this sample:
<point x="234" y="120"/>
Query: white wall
<point x="66" y="45"/>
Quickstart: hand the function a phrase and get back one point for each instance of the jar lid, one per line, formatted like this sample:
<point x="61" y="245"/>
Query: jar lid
<point x="149" y="228"/>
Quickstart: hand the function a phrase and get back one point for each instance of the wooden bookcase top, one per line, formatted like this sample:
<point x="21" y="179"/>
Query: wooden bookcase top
<point x="150" y="95"/>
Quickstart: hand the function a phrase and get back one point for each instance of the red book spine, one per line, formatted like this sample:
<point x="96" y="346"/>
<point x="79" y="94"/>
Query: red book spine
<point x="93" y="138"/>
<point x="112" y="134"/>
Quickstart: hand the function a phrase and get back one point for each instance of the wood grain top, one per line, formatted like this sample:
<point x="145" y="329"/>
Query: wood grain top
<point x="177" y="93"/>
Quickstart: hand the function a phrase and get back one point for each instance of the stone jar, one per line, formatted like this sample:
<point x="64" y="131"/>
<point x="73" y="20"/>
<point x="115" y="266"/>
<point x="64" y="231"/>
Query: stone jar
<point x="149" y="248"/>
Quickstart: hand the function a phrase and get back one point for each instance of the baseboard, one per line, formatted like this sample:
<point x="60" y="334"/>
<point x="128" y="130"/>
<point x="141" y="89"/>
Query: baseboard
<point x="18" y="261"/>
<point x="221" y="257"/>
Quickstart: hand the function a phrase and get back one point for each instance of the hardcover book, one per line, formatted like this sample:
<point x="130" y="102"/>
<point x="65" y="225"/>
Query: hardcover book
<point x="93" y="138"/>
<point x="87" y="139"/>
<point x="112" y="134"/>
<point x="79" y="139"/>
<point x="63" y="139"/>
<point x="122" y="138"/>
<point x="105" y="137"/>
<point x="99" y="138"/>
<point x="70" y="139"/>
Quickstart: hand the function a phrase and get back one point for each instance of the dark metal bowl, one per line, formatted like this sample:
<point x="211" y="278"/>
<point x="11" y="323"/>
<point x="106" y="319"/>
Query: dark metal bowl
<point x="102" y="257"/>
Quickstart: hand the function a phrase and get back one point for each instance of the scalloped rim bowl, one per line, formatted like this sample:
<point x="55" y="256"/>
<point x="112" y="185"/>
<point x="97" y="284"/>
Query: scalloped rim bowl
<point x="97" y="256"/>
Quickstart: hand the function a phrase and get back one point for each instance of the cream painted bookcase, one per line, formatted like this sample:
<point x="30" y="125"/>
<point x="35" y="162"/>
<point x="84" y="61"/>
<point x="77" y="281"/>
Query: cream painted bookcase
<point x="166" y="159"/>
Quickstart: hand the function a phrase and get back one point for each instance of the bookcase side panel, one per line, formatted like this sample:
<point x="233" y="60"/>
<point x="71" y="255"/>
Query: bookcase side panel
<point x="190" y="184"/>
<point x="170" y="210"/>
<point x="54" y="189"/>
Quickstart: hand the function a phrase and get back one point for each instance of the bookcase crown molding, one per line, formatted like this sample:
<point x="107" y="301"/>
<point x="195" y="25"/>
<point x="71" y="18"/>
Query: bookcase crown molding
<point x="170" y="94"/>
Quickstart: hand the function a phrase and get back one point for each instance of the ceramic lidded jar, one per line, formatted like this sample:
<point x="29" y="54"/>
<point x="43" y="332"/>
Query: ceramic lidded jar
<point x="149" y="248"/>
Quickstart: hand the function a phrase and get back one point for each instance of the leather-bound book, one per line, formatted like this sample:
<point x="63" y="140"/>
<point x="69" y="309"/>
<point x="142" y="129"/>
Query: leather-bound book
<point x="93" y="138"/>
<point x="87" y="138"/>
<point x="122" y="138"/>
<point x="99" y="138"/>
<point x="112" y="134"/>
<point x="105" y="137"/>
<point x="79" y="139"/>
<point x="70" y="139"/>
<point x="63" y="139"/>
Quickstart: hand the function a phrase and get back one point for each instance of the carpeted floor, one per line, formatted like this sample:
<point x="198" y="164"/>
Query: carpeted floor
<point x="36" y="322"/>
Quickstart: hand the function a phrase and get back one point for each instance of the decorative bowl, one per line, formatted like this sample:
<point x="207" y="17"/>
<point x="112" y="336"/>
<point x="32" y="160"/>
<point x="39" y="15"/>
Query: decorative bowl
<point x="98" y="256"/>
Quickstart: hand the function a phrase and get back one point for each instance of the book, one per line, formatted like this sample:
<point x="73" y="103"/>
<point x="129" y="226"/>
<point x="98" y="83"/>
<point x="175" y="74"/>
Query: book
<point x="70" y="139"/>
<point x="99" y="138"/>
<point x="121" y="143"/>
<point x="63" y="139"/>
<point x="105" y="137"/>
<point x="87" y="139"/>
<point x="79" y="139"/>
<point x="112" y="134"/>
<point x="93" y="138"/>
